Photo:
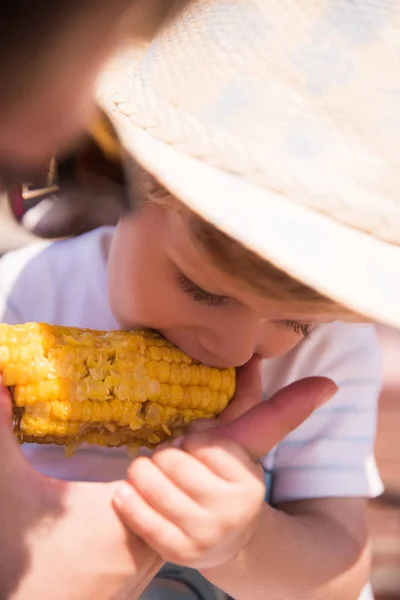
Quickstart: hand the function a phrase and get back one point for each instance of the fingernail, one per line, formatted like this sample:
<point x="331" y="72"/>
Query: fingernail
<point x="122" y="493"/>
<point x="172" y="443"/>
<point x="177" y="442"/>
<point x="161" y="446"/>
<point x="330" y="390"/>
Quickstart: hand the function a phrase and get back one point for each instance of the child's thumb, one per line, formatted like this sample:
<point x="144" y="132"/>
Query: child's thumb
<point x="5" y="407"/>
<point x="265" y="425"/>
<point x="247" y="395"/>
<point x="248" y="390"/>
<point x="9" y="447"/>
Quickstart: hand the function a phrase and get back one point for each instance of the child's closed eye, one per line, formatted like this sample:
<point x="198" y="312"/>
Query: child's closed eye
<point x="303" y="329"/>
<point x="197" y="293"/>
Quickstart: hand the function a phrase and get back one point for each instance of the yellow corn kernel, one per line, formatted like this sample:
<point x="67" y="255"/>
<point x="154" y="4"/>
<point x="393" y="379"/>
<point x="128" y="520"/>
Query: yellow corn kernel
<point x="72" y="386"/>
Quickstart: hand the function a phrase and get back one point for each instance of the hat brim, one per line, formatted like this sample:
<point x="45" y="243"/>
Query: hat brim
<point x="347" y="265"/>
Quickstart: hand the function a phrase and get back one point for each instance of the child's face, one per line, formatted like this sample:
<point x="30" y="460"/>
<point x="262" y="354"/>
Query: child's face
<point x="158" y="278"/>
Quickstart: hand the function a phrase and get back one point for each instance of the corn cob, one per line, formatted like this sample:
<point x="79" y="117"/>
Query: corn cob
<point x="71" y="386"/>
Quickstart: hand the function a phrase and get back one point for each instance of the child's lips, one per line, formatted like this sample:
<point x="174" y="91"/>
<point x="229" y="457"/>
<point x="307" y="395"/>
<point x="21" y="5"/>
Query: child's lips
<point x="198" y="353"/>
<point x="211" y="360"/>
<point x="203" y="355"/>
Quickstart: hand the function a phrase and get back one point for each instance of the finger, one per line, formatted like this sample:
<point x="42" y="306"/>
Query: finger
<point x="164" y="496"/>
<point x="225" y="458"/>
<point x="265" y="425"/>
<point x="11" y="457"/>
<point x="5" y="407"/>
<point x="161" y="535"/>
<point x="247" y="395"/>
<point x="7" y="437"/>
<point x="198" y="426"/>
<point x="190" y="475"/>
<point x="248" y="390"/>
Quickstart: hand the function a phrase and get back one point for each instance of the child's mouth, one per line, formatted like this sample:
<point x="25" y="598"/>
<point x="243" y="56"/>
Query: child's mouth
<point x="195" y="350"/>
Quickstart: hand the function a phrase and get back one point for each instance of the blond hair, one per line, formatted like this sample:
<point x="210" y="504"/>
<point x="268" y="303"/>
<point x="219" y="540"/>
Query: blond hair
<point x="257" y="274"/>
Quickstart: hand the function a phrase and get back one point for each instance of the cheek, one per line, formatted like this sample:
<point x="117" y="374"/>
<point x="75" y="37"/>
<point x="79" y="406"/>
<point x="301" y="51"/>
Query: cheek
<point x="141" y="290"/>
<point x="131" y="284"/>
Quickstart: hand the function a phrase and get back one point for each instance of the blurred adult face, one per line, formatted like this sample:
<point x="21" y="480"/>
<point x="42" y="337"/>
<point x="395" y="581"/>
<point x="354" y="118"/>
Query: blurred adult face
<point x="55" y="108"/>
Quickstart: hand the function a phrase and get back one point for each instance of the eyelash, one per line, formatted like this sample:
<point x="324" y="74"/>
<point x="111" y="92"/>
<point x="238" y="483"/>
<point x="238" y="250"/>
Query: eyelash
<point x="303" y="329"/>
<point x="198" y="294"/>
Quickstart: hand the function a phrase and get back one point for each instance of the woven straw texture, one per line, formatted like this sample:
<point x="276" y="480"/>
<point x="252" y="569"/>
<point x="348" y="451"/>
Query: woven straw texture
<point x="301" y="97"/>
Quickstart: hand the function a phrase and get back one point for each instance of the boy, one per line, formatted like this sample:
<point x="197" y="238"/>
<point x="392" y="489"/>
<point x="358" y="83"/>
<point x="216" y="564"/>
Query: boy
<point x="162" y="265"/>
<point x="170" y="267"/>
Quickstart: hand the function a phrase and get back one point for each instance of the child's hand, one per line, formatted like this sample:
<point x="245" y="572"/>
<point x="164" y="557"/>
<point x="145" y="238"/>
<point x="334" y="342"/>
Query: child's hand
<point x="199" y="505"/>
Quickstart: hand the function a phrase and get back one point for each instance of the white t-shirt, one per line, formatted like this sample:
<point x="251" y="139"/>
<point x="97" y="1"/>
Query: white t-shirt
<point x="330" y="455"/>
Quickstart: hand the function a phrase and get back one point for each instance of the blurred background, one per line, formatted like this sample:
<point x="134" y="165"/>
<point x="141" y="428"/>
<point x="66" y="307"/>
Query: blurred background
<point x="385" y="511"/>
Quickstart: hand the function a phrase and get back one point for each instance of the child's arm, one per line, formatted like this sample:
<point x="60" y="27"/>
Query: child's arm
<point x="312" y="549"/>
<point x="316" y="550"/>
<point x="204" y="507"/>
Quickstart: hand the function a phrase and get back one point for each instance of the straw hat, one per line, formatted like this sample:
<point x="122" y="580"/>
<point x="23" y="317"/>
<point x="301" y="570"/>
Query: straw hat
<point x="279" y="122"/>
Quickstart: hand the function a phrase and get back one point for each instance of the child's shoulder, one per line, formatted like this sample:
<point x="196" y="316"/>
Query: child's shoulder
<point x="96" y="242"/>
<point x="342" y="339"/>
<point x="55" y="281"/>
<point x="341" y="351"/>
